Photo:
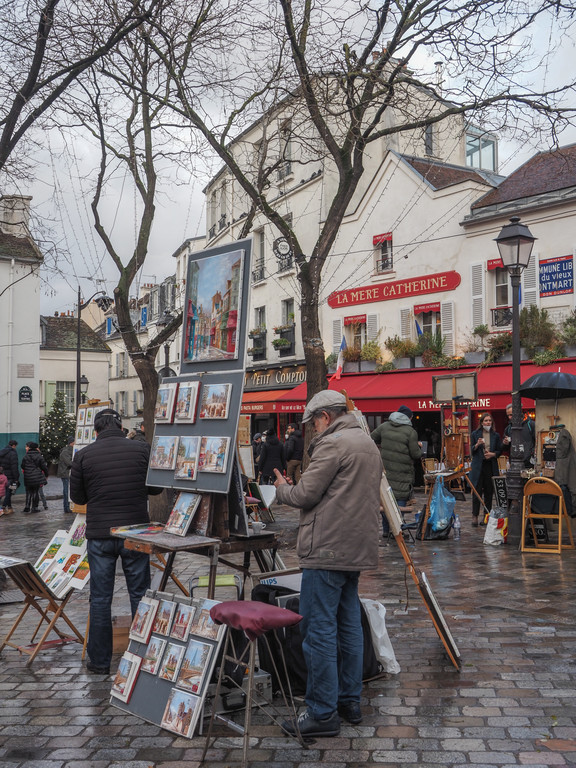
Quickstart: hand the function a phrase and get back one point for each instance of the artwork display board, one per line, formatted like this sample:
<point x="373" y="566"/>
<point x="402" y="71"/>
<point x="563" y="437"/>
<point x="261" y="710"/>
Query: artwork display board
<point x="164" y="675"/>
<point x="198" y="455"/>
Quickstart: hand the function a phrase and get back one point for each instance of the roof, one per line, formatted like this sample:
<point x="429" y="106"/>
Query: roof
<point x="441" y="175"/>
<point x="62" y="333"/>
<point x="544" y="173"/>
<point x="19" y="248"/>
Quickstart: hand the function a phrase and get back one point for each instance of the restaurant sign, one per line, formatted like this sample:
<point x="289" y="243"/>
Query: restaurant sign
<point x="396" y="289"/>
<point x="556" y="276"/>
<point x="275" y="378"/>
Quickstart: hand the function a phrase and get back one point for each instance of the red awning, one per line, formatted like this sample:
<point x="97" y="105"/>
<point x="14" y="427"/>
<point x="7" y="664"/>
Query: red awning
<point x="379" y="393"/>
<point x="262" y="402"/>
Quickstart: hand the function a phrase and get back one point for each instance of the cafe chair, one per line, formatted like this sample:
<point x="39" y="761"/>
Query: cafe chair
<point x="543" y="501"/>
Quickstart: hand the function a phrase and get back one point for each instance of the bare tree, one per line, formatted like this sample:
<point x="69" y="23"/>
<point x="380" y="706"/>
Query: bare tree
<point x="352" y="74"/>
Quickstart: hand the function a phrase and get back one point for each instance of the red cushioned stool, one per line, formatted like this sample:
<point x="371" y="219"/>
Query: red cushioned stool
<point x="254" y="619"/>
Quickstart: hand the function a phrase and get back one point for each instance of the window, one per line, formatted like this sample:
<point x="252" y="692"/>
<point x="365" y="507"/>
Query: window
<point x="502" y="290"/>
<point x="287" y="311"/>
<point x="259" y="254"/>
<point x="358" y="335"/>
<point x="384" y="258"/>
<point x="429" y="140"/>
<point x="481" y="151"/>
<point x="222" y="219"/>
<point x="430" y="322"/>
<point x="285" y="167"/>
<point x="69" y="390"/>
<point x="260" y="317"/>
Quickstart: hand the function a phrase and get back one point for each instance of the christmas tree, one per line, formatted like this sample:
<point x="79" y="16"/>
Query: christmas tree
<point x="55" y="429"/>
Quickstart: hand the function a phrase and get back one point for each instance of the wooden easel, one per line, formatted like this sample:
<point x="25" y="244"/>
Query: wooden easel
<point x="35" y="592"/>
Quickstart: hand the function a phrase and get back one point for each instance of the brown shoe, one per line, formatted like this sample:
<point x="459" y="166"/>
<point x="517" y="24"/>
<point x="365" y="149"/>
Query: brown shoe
<point x="8" y="511"/>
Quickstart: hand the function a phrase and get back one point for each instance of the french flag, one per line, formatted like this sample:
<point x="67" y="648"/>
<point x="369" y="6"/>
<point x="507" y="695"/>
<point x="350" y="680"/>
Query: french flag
<point x="340" y="361"/>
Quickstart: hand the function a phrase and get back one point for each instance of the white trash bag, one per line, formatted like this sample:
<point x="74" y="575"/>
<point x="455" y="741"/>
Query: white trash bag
<point x="496" y="527"/>
<point x="383" y="650"/>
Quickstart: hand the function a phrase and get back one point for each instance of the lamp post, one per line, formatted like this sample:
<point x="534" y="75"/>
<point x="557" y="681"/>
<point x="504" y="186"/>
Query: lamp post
<point x="104" y="302"/>
<point x="515" y="243"/>
<point x="83" y="387"/>
<point x="166" y="371"/>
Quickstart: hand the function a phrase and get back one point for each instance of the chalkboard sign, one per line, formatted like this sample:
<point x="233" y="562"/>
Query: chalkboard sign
<point x="500" y="492"/>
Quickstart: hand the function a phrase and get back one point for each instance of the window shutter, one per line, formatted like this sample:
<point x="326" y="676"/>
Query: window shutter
<point x="336" y="335"/>
<point x="125" y="359"/>
<point x="372" y="328"/>
<point x="530" y="286"/>
<point x="477" y="282"/>
<point x="406" y="324"/>
<point x="50" y="390"/>
<point x="447" y="326"/>
<point x="118" y="364"/>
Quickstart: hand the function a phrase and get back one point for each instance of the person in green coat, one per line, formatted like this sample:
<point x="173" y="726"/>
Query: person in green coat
<point x="399" y="448"/>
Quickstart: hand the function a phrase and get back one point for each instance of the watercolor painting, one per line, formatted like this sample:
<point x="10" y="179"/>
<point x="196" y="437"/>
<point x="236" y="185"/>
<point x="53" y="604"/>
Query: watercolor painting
<point x="164" y="452"/>
<point x="182" y="621"/>
<point x="164" y="614"/>
<point x="213" y="454"/>
<point x="183" y="513"/>
<point x="186" y="402"/>
<point x="153" y="654"/>
<point x="215" y="401"/>
<point x="187" y="458"/>
<point x="181" y="713"/>
<point x="171" y="661"/>
<point x="141" y="626"/>
<point x="194" y="666"/>
<point x="164" y="409"/>
<point x="203" y="623"/>
<point x="125" y="678"/>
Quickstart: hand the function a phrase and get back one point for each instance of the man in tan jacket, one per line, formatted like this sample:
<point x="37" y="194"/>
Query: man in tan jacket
<point x="339" y="499"/>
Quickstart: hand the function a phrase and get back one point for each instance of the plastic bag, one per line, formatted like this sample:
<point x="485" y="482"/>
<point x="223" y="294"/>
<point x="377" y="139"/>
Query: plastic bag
<point x="441" y="506"/>
<point x="383" y="650"/>
<point x="496" y="527"/>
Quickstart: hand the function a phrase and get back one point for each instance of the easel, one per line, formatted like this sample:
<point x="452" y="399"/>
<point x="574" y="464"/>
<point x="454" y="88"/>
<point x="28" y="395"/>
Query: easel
<point x="35" y="591"/>
<point x="459" y="475"/>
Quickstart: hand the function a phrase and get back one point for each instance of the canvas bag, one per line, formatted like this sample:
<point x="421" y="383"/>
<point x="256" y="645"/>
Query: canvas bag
<point x="376" y="613"/>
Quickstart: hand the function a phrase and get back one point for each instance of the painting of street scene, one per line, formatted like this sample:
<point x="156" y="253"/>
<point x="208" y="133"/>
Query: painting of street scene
<point x="186" y="402"/>
<point x="141" y="626"/>
<point x="171" y="662"/>
<point x="153" y="655"/>
<point x="215" y="401"/>
<point x="182" y="513"/>
<point x="125" y="679"/>
<point x="164" y="614"/>
<point x="165" y="402"/>
<point x="182" y="620"/>
<point x="212" y="309"/>
<point x="181" y="713"/>
<point x="194" y="666"/>
<point x="203" y="623"/>
<point x="163" y="453"/>
<point x="187" y="458"/>
<point x="213" y="454"/>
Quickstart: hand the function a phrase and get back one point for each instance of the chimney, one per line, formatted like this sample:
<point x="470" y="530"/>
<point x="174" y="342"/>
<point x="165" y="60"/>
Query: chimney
<point x="15" y="215"/>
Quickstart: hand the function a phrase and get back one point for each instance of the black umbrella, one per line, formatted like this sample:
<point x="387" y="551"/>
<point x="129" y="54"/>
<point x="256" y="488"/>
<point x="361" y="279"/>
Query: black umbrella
<point x="549" y="385"/>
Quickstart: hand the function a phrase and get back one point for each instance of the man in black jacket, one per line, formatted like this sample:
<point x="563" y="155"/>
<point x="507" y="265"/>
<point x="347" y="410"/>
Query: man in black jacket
<point x="109" y="476"/>
<point x="9" y="460"/>
<point x="293" y="452"/>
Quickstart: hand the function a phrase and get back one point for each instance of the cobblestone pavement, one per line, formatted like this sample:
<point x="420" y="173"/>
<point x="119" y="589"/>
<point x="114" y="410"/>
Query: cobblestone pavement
<point x="513" y="702"/>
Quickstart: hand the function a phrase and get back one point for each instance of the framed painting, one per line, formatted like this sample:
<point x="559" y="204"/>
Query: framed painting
<point x="194" y="667"/>
<point x="187" y="458"/>
<point x="153" y="655"/>
<point x="164" y="615"/>
<point x="215" y="401"/>
<point x="203" y="623"/>
<point x="141" y="627"/>
<point x="164" y="452"/>
<point x="181" y="713"/>
<point x="171" y="661"/>
<point x="125" y="678"/>
<point x="165" y="399"/>
<point x="182" y="621"/>
<point x="182" y="513"/>
<point x="214" y="454"/>
<point x="186" y="402"/>
<point x="81" y="417"/>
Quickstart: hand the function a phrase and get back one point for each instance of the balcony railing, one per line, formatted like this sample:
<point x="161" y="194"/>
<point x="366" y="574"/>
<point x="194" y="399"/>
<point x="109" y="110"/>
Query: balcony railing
<point x="501" y="317"/>
<point x="212" y="232"/>
<point x="257" y="274"/>
<point x="222" y="222"/>
<point x="384" y="265"/>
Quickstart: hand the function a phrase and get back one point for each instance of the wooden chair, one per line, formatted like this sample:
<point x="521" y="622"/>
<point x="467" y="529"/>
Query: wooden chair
<point x="428" y="465"/>
<point x="549" y="491"/>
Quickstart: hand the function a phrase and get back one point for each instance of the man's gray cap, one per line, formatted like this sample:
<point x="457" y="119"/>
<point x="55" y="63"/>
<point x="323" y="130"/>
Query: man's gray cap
<point x="325" y="399"/>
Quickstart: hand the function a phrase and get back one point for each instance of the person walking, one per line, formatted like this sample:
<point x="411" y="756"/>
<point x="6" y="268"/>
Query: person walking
<point x="139" y="433"/>
<point x="256" y="447"/>
<point x="3" y="486"/>
<point x="528" y="439"/>
<point x="339" y="499"/>
<point x="486" y="447"/>
<point x="9" y="460"/>
<point x="399" y="449"/>
<point x="63" y="472"/>
<point x="271" y="457"/>
<point x="293" y="452"/>
<point x="109" y="476"/>
<point x="34" y="472"/>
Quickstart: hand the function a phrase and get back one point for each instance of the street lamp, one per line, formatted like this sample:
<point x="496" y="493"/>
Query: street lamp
<point x="162" y="322"/>
<point x="515" y="243"/>
<point x="104" y="302"/>
<point x="83" y="387"/>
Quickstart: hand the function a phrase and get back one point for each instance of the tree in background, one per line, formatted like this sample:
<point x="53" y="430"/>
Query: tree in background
<point x="55" y="429"/>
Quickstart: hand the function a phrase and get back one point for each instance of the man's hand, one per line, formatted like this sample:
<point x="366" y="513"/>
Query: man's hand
<point x="280" y="479"/>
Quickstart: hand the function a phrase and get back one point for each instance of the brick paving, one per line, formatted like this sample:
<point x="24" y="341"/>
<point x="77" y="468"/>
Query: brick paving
<point x="513" y="702"/>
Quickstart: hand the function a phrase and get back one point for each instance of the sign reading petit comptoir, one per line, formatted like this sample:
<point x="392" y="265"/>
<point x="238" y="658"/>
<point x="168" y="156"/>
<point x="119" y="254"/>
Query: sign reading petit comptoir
<point x="397" y="289"/>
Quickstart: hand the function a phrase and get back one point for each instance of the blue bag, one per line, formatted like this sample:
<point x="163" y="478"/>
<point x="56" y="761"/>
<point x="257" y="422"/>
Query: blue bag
<point x="441" y="507"/>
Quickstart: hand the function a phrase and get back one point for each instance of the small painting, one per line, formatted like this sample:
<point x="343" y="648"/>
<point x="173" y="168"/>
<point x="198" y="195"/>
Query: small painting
<point x="125" y="678"/>
<point x="51" y="550"/>
<point x="141" y="627"/>
<point x="164" y="409"/>
<point x="194" y="666"/>
<point x="87" y="435"/>
<point x="181" y="713"/>
<point x="187" y="458"/>
<point x="164" y="452"/>
<point x="171" y="661"/>
<point x="78" y="532"/>
<point x="79" y="439"/>
<point x="215" y="401"/>
<point x="153" y="654"/>
<point x="89" y="416"/>
<point x="186" y="402"/>
<point x="203" y="624"/>
<point x="182" y="513"/>
<point x="182" y="621"/>
<point x="164" y="615"/>
<point x="81" y="417"/>
<point x="213" y="454"/>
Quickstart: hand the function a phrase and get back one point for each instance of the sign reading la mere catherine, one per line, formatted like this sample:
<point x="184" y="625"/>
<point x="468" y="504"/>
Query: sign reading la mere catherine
<point x="396" y="289"/>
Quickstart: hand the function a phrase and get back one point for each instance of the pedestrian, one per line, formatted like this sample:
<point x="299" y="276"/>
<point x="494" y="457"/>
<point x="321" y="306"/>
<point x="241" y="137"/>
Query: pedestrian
<point x="34" y="472"/>
<point x="9" y="460"/>
<point x="63" y="472"/>
<point x="140" y="433"/>
<point x="399" y="449"/>
<point x="256" y="447"/>
<point x="486" y="447"/>
<point x="271" y="457"/>
<point x="528" y="438"/>
<point x="339" y="499"/>
<point x="109" y="476"/>
<point x="293" y="452"/>
<point x="4" y="482"/>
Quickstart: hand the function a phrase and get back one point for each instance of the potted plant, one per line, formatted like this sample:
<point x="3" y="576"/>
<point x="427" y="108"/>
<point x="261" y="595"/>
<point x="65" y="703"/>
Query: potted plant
<point x="537" y="331"/>
<point x="257" y="332"/>
<point x="431" y="349"/>
<point x="331" y="361"/>
<point x="499" y="346"/>
<point x="404" y="351"/>
<point x="476" y="353"/>
<point x="351" y="357"/>
<point x="370" y="355"/>
<point x="567" y="332"/>
<point x="281" y="343"/>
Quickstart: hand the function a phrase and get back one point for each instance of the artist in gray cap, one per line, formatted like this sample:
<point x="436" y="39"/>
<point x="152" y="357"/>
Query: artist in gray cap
<point x="339" y="499"/>
<point x="399" y="448"/>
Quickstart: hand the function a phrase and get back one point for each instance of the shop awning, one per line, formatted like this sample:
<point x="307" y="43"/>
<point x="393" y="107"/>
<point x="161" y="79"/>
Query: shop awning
<point x="262" y="402"/>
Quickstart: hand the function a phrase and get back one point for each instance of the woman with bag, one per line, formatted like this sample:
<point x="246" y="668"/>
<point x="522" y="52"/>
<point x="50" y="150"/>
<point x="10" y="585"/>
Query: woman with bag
<point x="35" y="472"/>
<point x="486" y="447"/>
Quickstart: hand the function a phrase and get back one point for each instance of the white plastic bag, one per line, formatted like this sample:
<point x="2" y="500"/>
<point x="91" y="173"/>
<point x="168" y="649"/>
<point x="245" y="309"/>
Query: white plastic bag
<point x="383" y="650"/>
<point x="496" y="528"/>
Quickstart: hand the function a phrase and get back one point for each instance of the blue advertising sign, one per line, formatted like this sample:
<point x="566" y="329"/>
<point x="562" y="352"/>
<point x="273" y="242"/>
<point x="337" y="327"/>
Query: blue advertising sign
<point x="556" y="276"/>
<point x="144" y="317"/>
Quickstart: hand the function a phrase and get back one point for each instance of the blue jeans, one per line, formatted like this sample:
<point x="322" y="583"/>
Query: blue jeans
<point x="66" y="493"/>
<point x="332" y="639"/>
<point x="102" y="556"/>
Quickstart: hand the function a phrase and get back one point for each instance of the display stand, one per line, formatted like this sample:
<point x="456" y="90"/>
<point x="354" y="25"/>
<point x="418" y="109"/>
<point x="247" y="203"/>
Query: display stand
<point x="39" y="596"/>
